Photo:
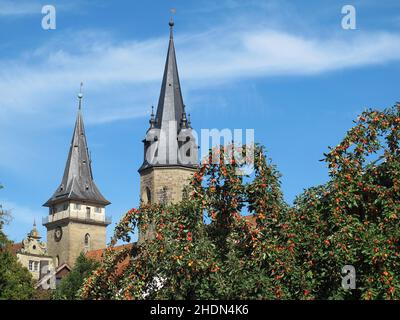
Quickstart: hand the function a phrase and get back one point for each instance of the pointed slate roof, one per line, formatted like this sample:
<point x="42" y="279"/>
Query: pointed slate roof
<point x="77" y="182"/>
<point x="170" y="104"/>
<point x="170" y="117"/>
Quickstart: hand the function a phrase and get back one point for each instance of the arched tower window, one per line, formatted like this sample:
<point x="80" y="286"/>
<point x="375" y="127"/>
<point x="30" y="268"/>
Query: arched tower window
<point x="57" y="261"/>
<point x="87" y="241"/>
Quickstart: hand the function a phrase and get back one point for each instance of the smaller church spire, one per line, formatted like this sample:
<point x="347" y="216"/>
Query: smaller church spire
<point x="34" y="233"/>
<point x="77" y="183"/>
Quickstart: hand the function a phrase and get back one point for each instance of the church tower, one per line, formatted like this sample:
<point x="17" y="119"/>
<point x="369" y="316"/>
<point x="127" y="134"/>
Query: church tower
<point x="170" y="149"/>
<point x="77" y="221"/>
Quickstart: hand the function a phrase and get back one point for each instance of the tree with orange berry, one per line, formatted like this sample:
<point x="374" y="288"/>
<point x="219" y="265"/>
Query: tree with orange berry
<point x="206" y="247"/>
<point x="354" y="218"/>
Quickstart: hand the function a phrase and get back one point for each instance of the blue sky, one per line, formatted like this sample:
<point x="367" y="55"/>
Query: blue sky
<point x="287" y="69"/>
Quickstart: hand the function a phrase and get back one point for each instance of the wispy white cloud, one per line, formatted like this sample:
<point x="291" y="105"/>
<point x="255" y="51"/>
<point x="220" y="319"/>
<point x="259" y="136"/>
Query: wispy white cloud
<point x="16" y="8"/>
<point x="34" y="82"/>
<point x="21" y="8"/>
<point x="31" y="88"/>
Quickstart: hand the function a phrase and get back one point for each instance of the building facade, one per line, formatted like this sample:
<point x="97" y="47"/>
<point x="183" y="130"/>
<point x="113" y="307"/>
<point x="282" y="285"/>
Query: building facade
<point x="32" y="254"/>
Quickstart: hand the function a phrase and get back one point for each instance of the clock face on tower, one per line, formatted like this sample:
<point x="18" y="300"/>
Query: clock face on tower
<point x="58" y="234"/>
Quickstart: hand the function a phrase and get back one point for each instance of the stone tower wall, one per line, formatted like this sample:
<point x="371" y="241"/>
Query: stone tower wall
<point x="165" y="184"/>
<point x="72" y="242"/>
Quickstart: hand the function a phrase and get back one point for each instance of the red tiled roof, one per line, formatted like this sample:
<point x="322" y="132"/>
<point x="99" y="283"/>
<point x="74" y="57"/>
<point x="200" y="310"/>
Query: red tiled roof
<point x="98" y="255"/>
<point x="95" y="254"/>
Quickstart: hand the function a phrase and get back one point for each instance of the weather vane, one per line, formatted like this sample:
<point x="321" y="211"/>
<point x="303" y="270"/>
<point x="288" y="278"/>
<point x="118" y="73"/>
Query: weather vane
<point x="173" y="11"/>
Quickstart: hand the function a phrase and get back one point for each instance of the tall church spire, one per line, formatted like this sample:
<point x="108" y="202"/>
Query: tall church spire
<point x="170" y="129"/>
<point x="170" y="103"/>
<point x="77" y="182"/>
